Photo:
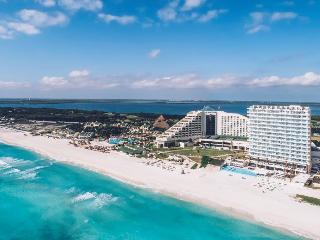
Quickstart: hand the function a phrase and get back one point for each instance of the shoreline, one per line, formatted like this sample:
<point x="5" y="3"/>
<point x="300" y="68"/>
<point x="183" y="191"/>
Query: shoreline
<point x="230" y="194"/>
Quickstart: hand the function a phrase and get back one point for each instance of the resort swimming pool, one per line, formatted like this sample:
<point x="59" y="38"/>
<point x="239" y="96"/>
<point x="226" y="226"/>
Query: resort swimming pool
<point x="239" y="170"/>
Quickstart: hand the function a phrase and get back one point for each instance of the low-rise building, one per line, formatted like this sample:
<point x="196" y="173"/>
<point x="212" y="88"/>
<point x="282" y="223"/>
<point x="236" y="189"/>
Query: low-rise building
<point x="234" y="145"/>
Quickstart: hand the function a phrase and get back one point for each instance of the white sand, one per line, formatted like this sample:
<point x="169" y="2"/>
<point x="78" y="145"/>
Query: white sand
<point x="235" y="194"/>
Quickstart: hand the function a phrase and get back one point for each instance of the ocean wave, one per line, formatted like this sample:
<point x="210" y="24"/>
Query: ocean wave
<point x="84" y="196"/>
<point x="8" y="167"/>
<point x="35" y="168"/>
<point x="70" y="190"/>
<point x="103" y="199"/>
<point x="31" y="173"/>
<point x="14" y="161"/>
<point x="96" y="200"/>
<point x="4" y="165"/>
<point x="11" y="171"/>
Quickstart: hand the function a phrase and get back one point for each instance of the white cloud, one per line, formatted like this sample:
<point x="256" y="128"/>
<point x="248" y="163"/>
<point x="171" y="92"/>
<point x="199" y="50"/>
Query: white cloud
<point x="79" y="73"/>
<point x="22" y="27"/>
<point x="124" y="20"/>
<point x="308" y="79"/>
<point x="257" y="28"/>
<point x="154" y="53"/>
<point x="258" y="17"/>
<point x="257" y="23"/>
<point x="75" y="5"/>
<point x="82" y="79"/>
<point x="169" y="13"/>
<point x="261" y="21"/>
<point x="212" y="14"/>
<point x="53" y="82"/>
<point x="191" y="4"/>
<point x="173" y="13"/>
<point x="13" y="85"/>
<point x="5" y="33"/>
<point x="186" y="81"/>
<point x="76" y="79"/>
<point x="30" y="22"/>
<point x="42" y="19"/>
<point x="47" y="3"/>
<point x="190" y="81"/>
<point x="278" y="16"/>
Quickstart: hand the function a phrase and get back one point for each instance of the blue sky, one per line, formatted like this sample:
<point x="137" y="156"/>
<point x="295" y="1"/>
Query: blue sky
<point x="171" y="49"/>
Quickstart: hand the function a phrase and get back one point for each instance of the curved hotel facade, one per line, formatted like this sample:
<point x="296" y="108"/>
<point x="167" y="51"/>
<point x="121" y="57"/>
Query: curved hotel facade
<point x="280" y="135"/>
<point x="201" y="124"/>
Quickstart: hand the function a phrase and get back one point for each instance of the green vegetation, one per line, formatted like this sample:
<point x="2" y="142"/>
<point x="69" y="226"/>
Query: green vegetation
<point x="205" y="160"/>
<point x="162" y="155"/>
<point x="103" y="125"/>
<point x="202" y="156"/>
<point x="196" y="152"/>
<point x="316" y="142"/>
<point x="307" y="199"/>
<point x="315" y="125"/>
<point x="194" y="166"/>
<point x="131" y="150"/>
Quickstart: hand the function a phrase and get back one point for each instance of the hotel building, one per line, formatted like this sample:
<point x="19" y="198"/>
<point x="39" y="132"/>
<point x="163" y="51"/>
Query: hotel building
<point x="231" y="124"/>
<point x="279" y="136"/>
<point x="201" y="124"/>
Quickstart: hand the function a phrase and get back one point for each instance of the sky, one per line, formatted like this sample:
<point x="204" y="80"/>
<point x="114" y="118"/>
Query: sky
<point x="160" y="49"/>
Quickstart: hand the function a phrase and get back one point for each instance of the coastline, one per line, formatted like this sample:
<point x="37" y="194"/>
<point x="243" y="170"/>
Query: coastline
<point x="227" y="193"/>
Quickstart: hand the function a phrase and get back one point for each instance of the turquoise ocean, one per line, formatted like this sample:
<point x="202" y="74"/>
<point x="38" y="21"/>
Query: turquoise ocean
<point x="44" y="199"/>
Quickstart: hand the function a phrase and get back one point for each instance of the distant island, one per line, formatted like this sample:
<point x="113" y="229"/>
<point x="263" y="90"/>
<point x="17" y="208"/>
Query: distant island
<point x="55" y="101"/>
<point x="168" y="107"/>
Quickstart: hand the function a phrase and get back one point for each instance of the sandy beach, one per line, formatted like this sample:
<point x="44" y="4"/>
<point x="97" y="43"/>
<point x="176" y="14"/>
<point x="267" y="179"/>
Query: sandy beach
<point x="268" y="201"/>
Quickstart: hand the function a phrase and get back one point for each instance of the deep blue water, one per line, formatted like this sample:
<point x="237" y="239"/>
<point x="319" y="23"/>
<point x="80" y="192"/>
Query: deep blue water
<point x="42" y="199"/>
<point x="159" y="107"/>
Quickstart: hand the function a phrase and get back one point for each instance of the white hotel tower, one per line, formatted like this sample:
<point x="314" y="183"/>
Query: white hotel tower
<point x="200" y="124"/>
<point x="280" y="135"/>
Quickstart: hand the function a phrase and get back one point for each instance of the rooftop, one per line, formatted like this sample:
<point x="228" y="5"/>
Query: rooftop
<point x="280" y="107"/>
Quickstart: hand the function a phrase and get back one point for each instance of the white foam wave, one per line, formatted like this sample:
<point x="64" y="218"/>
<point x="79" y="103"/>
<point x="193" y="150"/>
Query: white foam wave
<point x="30" y="173"/>
<point x="35" y="169"/>
<point x="4" y="165"/>
<point x="103" y="199"/>
<point x="96" y="200"/>
<point x="9" y="169"/>
<point x="70" y="190"/>
<point x="12" y="171"/>
<point x="14" y="161"/>
<point x="84" y="196"/>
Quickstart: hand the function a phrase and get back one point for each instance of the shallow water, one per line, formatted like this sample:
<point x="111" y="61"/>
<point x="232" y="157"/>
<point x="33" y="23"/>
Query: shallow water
<point x="41" y="199"/>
